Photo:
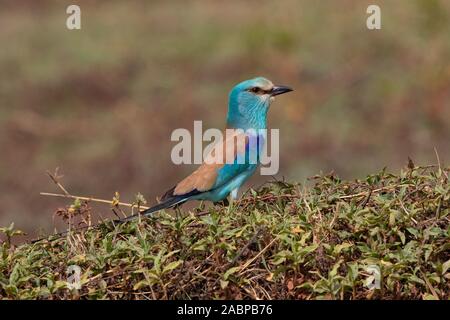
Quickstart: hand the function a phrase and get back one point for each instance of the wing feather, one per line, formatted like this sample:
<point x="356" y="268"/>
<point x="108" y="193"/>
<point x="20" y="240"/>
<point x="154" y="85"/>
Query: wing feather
<point x="224" y="152"/>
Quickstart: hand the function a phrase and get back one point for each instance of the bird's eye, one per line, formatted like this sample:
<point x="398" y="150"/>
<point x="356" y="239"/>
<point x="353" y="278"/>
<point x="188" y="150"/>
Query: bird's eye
<point x="256" y="90"/>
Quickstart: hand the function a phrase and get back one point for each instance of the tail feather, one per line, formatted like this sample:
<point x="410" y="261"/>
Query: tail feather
<point x="169" y="200"/>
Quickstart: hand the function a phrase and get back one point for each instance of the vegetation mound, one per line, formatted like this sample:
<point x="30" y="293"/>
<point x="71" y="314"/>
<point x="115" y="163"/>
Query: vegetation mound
<point x="385" y="237"/>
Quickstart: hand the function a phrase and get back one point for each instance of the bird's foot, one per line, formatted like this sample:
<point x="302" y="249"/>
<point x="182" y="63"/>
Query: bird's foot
<point x="223" y="203"/>
<point x="178" y="212"/>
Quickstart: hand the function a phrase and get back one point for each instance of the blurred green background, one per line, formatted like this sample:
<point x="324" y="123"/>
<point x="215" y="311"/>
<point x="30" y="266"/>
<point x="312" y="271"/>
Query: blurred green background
<point x="101" y="102"/>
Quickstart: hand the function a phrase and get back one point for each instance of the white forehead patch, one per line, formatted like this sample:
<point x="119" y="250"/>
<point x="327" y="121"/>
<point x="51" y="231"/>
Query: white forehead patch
<point x="264" y="84"/>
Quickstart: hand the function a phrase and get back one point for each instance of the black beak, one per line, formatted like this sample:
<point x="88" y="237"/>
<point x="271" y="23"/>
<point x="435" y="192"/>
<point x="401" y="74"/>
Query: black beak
<point x="276" y="90"/>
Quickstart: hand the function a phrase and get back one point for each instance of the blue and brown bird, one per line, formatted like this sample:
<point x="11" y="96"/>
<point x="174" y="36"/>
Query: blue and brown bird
<point x="215" y="180"/>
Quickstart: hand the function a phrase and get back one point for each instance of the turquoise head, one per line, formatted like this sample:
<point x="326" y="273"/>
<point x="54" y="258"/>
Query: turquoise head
<point x="249" y="102"/>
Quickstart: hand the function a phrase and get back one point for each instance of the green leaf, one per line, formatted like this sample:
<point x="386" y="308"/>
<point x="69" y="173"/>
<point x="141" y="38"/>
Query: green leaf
<point x="339" y="247"/>
<point x="392" y="215"/>
<point x="402" y="236"/>
<point x="140" y="285"/>
<point x="278" y="261"/>
<point x="413" y="231"/>
<point x="428" y="252"/>
<point x="445" y="266"/>
<point x="171" y="266"/>
<point x="60" y="285"/>
<point x="352" y="270"/>
<point x="427" y="296"/>
<point x="416" y="279"/>
<point x="335" y="268"/>
<point x="309" y="249"/>
<point x="15" y="274"/>
<point x="223" y="284"/>
<point x="230" y="271"/>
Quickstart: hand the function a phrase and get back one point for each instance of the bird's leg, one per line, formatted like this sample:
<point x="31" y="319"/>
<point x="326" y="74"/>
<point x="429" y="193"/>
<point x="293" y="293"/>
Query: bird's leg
<point x="178" y="205"/>
<point x="177" y="210"/>
<point x="223" y="203"/>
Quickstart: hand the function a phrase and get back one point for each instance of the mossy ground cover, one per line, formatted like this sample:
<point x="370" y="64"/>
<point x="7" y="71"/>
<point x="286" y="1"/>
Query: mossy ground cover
<point x="281" y="241"/>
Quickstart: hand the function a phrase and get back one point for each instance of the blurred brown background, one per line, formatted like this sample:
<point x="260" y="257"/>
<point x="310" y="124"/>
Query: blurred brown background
<point x="101" y="102"/>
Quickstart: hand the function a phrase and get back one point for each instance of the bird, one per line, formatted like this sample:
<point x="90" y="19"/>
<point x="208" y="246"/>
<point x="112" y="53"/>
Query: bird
<point x="218" y="178"/>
